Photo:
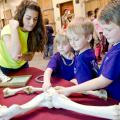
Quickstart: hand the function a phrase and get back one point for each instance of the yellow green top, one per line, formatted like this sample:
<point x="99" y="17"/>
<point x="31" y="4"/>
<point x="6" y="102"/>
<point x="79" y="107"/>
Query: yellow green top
<point x="5" y="58"/>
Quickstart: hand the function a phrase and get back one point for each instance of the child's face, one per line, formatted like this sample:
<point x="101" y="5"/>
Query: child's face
<point x="112" y="32"/>
<point x="63" y="47"/>
<point x="30" y="19"/>
<point x="78" y="42"/>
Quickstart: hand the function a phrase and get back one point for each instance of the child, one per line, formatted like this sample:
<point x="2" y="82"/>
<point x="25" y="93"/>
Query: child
<point x="110" y="69"/>
<point x="104" y="43"/>
<point x="62" y="63"/>
<point x="80" y="33"/>
<point x="49" y="45"/>
<point x="22" y="37"/>
<point x="90" y="16"/>
<point x="98" y="29"/>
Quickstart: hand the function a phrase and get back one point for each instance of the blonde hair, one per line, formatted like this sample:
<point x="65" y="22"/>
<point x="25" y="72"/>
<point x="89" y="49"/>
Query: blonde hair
<point x="80" y="26"/>
<point x="61" y="37"/>
<point x="110" y="13"/>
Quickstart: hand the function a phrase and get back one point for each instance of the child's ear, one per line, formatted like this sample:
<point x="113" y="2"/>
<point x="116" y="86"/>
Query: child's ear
<point x="89" y="37"/>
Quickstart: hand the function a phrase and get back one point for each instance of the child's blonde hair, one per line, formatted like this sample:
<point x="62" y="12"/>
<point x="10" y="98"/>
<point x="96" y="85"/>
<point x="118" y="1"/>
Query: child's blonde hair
<point x="61" y="37"/>
<point x="80" y="26"/>
<point x="110" y="13"/>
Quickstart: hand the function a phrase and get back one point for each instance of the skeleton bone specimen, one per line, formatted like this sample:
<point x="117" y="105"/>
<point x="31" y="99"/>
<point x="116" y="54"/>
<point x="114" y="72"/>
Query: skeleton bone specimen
<point x="52" y="99"/>
<point x="31" y="89"/>
<point x="28" y="89"/>
<point x="98" y="93"/>
<point x="2" y="109"/>
<point x="109" y="112"/>
<point x="14" y="110"/>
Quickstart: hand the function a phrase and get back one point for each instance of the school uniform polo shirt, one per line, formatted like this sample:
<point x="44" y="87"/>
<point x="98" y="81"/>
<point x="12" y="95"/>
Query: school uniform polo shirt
<point x="62" y="67"/>
<point x="110" y="69"/>
<point x="86" y="67"/>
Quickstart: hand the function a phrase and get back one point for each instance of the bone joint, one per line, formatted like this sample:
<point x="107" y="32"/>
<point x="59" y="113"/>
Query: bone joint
<point x="98" y="93"/>
<point x="28" y="89"/>
<point x="51" y="99"/>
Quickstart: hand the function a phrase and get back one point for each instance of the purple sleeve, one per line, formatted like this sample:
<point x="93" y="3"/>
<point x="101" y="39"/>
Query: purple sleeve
<point x="53" y="63"/>
<point x="111" y="67"/>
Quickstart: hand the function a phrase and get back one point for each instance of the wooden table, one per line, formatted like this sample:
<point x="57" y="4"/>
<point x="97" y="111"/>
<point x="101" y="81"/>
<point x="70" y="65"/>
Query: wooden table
<point x="51" y="114"/>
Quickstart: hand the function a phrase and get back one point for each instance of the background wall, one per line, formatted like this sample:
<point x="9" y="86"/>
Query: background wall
<point x="10" y="4"/>
<point x="79" y="9"/>
<point x="51" y="9"/>
<point x="93" y="4"/>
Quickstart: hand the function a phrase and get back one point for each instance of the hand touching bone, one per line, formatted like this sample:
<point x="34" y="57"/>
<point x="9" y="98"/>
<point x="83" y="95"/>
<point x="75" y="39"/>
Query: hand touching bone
<point x="51" y="99"/>
<point x="28" y="89"/>
<point x="41" y="100"/>
<point x="98" y="93"/>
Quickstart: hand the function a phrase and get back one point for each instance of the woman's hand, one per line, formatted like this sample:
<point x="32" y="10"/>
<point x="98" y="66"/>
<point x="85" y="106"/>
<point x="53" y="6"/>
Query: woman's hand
<point x="26" y="56"/>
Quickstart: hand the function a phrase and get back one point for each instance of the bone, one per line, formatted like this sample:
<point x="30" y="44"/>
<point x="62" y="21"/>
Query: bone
<point x="28" y="89"/>
<point x="109" y="112"/>
<point x="2" y="109"/>
<point x="10" y="92"/>
<point x="98" y="93"/>
<point x="51" y="98"/>
<point x="31" y="90"/>
<point x="14" y="110"/>
<point x="9" y="112"/>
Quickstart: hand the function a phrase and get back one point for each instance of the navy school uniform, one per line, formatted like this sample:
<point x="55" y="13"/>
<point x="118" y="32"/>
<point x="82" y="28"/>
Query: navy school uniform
<point x="86" y="67"/>
<point x="110" y="69"/>
<point x="62" y="67"/>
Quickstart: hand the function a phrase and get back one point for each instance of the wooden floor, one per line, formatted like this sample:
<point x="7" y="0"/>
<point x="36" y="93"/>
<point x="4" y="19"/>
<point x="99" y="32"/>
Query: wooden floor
<point x="38" y="61"/>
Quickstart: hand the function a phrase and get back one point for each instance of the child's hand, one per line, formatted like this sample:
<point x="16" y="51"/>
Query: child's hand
<point x="74" y="81"/>
<point x="62" y="90"/>
<point x="14" y="24"/>
<point x="46" y="86"/>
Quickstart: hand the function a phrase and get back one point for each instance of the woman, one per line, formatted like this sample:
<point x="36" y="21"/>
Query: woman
<point x="22" y="37"/>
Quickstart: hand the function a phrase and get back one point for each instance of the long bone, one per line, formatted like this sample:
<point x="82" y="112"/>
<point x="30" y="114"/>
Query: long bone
<point x="109" y="112"/>
<point x="28" y="89"/>
<point x="2" y="109"/>
<point x="14" y="110"/>
<point x="52" y="99"/>
<point x="98" y="93"/>
<point x="31" y="89"/>
<point x="10" y="92"/>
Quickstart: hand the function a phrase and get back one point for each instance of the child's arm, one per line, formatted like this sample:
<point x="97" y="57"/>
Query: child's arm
<point x="93" y="84"/>
<point x="47" y="77"/>
<point x="12" y="42"/>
